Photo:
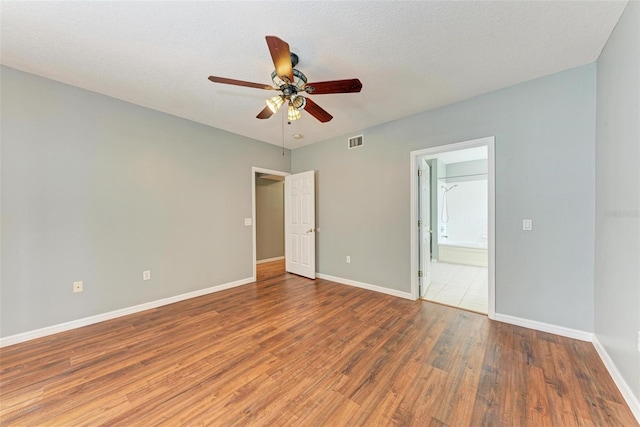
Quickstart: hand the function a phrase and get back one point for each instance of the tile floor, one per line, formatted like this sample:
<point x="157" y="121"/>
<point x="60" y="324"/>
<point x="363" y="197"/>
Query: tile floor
<point x="464" y="286"/>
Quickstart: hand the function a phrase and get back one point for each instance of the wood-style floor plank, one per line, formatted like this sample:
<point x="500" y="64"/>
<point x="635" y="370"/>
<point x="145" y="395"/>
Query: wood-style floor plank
<point x="290" y="351"/>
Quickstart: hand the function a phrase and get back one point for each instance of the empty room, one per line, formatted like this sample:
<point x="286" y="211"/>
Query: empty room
<point x="350" y="213"/>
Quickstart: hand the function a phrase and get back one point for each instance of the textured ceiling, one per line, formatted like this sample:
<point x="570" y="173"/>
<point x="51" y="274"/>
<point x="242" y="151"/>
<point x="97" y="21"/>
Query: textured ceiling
<point x="410" y="56"/>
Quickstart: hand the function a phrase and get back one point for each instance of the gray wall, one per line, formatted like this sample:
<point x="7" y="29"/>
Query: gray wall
<point x="545" y="137"/>
<point x="617" y="249"/>
<point x="96" y="189"/>
<point x="472" y="170"/>
<point x="269" y="219"/>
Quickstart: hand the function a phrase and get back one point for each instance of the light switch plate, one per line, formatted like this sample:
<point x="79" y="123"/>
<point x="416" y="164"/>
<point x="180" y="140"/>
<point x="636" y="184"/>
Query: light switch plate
<point x="527" y="224"/>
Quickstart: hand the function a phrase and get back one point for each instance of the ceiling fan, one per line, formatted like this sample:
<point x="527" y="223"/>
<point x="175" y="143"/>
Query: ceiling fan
<point x="292" y="84"/>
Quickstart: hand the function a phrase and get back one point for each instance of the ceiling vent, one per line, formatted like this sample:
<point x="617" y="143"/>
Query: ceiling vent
<point x="355" y="142"/>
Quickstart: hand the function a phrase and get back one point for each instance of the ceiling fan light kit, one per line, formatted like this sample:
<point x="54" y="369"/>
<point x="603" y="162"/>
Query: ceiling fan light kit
<point x="292" y="113"/>
<point x="291" y="83"/>
<point x="275" y="103"/>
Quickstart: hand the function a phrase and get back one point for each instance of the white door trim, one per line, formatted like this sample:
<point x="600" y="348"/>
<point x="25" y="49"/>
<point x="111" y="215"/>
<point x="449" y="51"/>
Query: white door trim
<point x="254" y="171"/>
<point x="424" y="230"/>
<point x="489" y="142"/>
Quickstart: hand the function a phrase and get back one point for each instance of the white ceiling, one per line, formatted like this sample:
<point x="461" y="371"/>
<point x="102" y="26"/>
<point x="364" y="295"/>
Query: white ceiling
<point x="410" y="56"/>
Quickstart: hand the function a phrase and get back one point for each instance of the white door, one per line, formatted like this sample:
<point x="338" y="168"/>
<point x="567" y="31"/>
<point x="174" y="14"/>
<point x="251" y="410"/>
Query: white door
<point x="424" y="226"/>
<point x="300" y="224"/>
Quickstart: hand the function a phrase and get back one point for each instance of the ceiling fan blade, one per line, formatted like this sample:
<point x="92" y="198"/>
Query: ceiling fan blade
<point x="281" y="56"/>
<point x="334" y="86"/>
<point x="316" y="111"/>
<point x="240" y="83"/>
<point x="265" y="113"/>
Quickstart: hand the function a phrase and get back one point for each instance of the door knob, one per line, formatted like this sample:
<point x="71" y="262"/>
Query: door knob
<point x="311" y="230"/>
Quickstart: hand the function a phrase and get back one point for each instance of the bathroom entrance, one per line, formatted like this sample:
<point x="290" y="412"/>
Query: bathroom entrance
<point x="453" y="194"/>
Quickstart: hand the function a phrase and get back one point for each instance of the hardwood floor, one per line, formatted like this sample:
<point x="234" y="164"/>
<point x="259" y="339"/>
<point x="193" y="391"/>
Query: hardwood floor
<point x="288" y="351"/>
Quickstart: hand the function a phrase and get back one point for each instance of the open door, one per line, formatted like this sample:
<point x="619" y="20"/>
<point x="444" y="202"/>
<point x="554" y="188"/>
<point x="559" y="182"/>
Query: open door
<point x="300" y="224"/>
<point x="424" y="226"/>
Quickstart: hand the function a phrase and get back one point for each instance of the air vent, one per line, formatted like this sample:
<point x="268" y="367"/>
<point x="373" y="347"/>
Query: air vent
<point x="355" y="142"/>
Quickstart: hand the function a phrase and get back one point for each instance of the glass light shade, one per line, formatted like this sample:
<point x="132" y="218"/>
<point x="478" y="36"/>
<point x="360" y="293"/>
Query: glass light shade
<point x="275" y="103"/>
<point x="298" y="102"/>
<point x="293" y="114"/>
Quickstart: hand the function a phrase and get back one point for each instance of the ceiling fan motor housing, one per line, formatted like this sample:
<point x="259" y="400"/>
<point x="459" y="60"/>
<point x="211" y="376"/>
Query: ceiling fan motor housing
<point x="290" y="88"/>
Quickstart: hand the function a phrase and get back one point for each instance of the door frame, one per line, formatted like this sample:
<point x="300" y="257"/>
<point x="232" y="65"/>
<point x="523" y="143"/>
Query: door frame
<point x="489" y="142"/>
<point x="254" y="173"/>
<point x="424" y="281"/>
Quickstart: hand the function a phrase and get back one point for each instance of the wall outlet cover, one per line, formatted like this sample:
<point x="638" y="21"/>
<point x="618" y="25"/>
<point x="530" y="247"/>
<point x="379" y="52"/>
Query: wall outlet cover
<point x="146" y="275"/>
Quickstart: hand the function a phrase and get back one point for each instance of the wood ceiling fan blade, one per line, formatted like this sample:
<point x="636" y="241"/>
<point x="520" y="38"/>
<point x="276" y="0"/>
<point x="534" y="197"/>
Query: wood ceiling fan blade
<point x="334" y="86"/>
<point x="265" y="113"/>
<point x="316" y="111"/>
<point x="281" y="56"/>
<point x="234" y="82"/>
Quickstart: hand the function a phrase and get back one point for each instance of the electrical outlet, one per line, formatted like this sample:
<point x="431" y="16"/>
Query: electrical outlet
<point x="247" y="221"/>
<point x="348" y="259"/>
<point x="527" y="224"/>
<point x="78" y="286"/>
<point x="146" y="275"/>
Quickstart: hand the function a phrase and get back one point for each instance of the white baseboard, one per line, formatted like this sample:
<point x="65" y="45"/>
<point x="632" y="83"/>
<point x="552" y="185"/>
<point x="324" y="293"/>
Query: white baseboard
<point x="262" y="261"/>
<point x="375" y="288"/>
<point x="61" y="327"/>
<point x="627" y="393"/>
<point x="545" y="327"/>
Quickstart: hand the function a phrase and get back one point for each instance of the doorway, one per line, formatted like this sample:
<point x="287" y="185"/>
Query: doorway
<point x="267" y="216"/>
<point x="452" y="253"/>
